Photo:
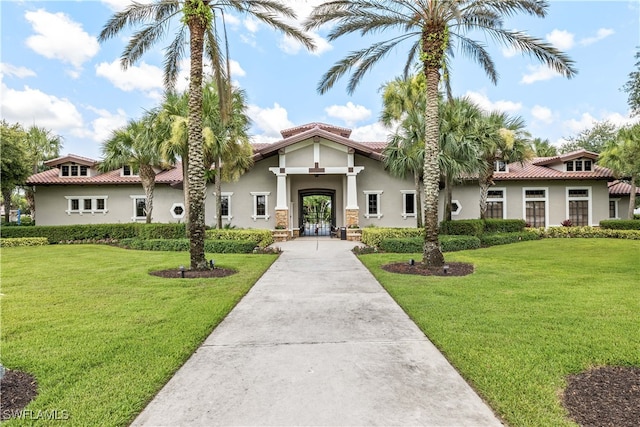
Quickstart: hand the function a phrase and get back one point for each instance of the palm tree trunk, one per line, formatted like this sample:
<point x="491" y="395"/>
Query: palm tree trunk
<point x="195" y="169"/>
<point x="218" y="177"/>
<point x="416" y="183"/>
<point x="6" y="196"/>
<point x="185" y="191"/>
<point x="485" y="182"/>
<point x="632" y="197"/>
<point x="148" y="178"/>
<point x="30" y="195"/>
<point x="448" y="198"/>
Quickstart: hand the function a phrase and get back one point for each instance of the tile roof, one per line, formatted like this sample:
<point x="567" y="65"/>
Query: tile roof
<point x="621" y="188"/>
<point x="71" y="158"/>
<point x="344" y="132"/>
<point x="52" y="176"/>
<point x="533" y="169"/>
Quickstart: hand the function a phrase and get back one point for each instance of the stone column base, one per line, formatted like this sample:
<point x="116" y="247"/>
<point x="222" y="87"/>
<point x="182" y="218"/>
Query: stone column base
<point x="282" y="219"/>
<point x="352" y="217"/>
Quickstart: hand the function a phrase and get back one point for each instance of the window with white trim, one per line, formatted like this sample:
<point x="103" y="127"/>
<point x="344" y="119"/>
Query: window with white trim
<point x="578" y="165"/>
<point x="456" y="207"/>
<point x="129" y="171"/>
<point x="500" y="166"/>
<point x="139" y="207"/>
<point x="613" y="209"/>
<point x="496" y="200"/>
<point x="225" y="206"/>
<point x="64" y="170"/>
<point x="260" y="205"/>
<point x="579" y="205"/>
<point x="177" y="210"/>
<point x="408" y="203"/>
<point x="86" y="204"/>
<point x="373" y="203"/>
<point x="535" y="206"/>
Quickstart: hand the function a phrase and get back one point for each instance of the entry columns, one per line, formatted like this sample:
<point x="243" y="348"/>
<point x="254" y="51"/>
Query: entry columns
<point x="282" y="209"/>
<point x="352" y="211"/>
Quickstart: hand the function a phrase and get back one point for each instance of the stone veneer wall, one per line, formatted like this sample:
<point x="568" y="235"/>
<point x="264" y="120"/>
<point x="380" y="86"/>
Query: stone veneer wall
<point x="352" y="217"/>
<point x="282" y="218"/>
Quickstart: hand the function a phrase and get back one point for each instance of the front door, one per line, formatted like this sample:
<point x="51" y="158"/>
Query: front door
<point x="317" y="212"/>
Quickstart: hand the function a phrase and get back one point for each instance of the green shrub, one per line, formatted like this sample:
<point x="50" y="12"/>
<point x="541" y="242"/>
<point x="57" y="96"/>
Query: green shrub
<point x="503" y="225"/>
<point x="374" y="236"/>
<point x="620" y="224"/>
<point x="493" y="239"/>
<point x="415" y="244"/>
<point x="182" y="245"/>
<point x="463" y="227"/>
<point x="162" y="231"/>
<point x="590" y="232"/>
<point x="260" y="238"/>
<point x="23" y="241"/>
<point x="67" y="233"/>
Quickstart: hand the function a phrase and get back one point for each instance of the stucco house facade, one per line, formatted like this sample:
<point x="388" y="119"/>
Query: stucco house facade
<point x="321" y="159"/>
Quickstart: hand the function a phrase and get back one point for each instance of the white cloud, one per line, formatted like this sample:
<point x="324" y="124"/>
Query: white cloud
<point x="118" y="5"/>
<point x="542" y="114"/>
<point x="509" y="52"/>
<point x="59" y="37"/>
<point x="349" y="113"/>
<point x="291" y="46"/>
<point x="144" y="77"/>
<point x="29" y="106"/>
<point x="236" y="69"/>
<point x="602" y="33"/>
<point x="585" y="121"/>
<point x="486" y="104"/>
<point x="375" y="132"/>
<point x="105" y="124"/>
<point x="12" y="70"/>
<point x="269" y="120"/>
<point x="252" y="25"/>
<point x="561" y="39"/>
<point x="539" y="73"/>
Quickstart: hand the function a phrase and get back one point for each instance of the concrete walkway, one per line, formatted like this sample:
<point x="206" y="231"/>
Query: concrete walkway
<point x="317" y="341"/>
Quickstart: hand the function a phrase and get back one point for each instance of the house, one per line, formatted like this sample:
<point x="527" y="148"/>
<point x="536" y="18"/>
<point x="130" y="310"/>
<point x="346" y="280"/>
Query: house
<point x="318" y="159"/>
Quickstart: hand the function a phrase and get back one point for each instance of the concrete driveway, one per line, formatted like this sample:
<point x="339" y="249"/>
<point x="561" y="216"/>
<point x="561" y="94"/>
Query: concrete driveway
<point x="317" y="341"/>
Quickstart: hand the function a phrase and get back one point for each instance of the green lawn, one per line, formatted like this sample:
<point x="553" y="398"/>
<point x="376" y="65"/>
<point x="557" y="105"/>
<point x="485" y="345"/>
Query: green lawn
<point x="99" y="333"/>
<point x="532" y="313"/>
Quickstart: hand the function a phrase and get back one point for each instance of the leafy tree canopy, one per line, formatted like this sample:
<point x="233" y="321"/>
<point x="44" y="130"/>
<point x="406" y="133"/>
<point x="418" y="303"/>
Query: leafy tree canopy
<point x="632" y="87"/>
<point x="593" y="139"/>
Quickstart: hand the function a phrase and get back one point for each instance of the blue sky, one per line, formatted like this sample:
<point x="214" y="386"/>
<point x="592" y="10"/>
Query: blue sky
<point x="55" y="74"/>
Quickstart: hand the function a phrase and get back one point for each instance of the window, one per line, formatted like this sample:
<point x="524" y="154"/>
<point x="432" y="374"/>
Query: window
<point x="456" y="207"/>
<point x="587" y="165"/>
<point x="535" y="206"/>
<point x="408" y="203"/>
<point x="225" y="206"/>
<point x="373" y="199"/>
<point x="177" y="211"/>
<point x="579" y="165"/>
<point x="578" y="206"/>
<point x="64" y="170"/>
<point x="139" y="207"/>
<point x="495" y="203"/>
<point x="128" y="171"/>
<point x="500" y="166"/>
<point x="86" y="204"/>
<point x="84" y="170"/>
<point x="74" y="170"/>
<point x="613" y="208"/>
<point x="260" y="205"/>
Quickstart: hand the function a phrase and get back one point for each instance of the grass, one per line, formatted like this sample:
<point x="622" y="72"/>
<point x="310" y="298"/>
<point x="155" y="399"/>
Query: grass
<point x="531" y="314"/>
<point x="99" y="333"/>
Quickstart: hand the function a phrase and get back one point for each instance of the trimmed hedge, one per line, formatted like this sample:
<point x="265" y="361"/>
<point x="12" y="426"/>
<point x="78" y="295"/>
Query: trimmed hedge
<point x="374" y="236"/>
<point x="463" y="227"/>
<point x="589" y="232"/>
<point x="504" y="225"/>
<point x="620" y="224"/>
<point x="260" y="238"/>
<point x="415" y="244"/>
<point x="23" y="241"/>
<point x="494" y="239"/>
<point x="162" y="231"/>
<point x="182" y="245"/>
<point x="65" y="233"/>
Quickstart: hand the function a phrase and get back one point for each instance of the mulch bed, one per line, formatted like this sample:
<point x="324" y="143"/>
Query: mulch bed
<point x="193" y="274"/>
<point x="455" y="269"/>
<point x="604" y="397"/>
<point x="17" y="390"/>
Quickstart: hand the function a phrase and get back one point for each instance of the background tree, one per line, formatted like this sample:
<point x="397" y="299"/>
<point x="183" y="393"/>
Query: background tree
<point x="434" y="28"/>
<point x="198" y="18"/>
<point x="501" y="138"/>
<point x="41" y="145"/>
<point x="622" y="156"/>
<point x="632" y="88"/>
<point x="543" y="148"/>
<point x="593" y="139"/>
<point x="14" y="162"/>
<point x="135" y="145"/>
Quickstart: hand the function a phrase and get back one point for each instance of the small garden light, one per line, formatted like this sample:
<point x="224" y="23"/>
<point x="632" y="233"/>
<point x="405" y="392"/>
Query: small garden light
<point x="182" y="271"/>
<point x="412" y="262"/>
<point x="445" y="269"/>
<point x="212" y="264"/>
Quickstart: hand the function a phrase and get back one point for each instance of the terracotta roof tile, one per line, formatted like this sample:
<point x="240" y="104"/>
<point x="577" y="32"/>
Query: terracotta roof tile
<point x="51" y="176"/>
<point x="620" y="188"/>
<point x="533" y="170"/>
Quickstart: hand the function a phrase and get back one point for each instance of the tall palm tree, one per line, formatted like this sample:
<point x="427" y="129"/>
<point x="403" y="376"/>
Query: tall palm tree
<point x="200" y="19"/>
<point x="501" y="138"/>
<point x="41" y="144"/>
<point x="434" y="28"/>
<point x="622" y="156"/>
<point x="135" y="146"/>
<point x="543" y="148"/>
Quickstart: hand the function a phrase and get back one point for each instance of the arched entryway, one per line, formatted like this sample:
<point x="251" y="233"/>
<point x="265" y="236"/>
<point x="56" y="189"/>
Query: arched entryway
<point x="317" y="212"/>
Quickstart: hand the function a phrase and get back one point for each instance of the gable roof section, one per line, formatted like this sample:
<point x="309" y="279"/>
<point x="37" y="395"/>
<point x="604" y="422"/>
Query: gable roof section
<point x="170" y="176"/>
<point x="543" y="161"/>
<point x="340" y="131"/>
<point x="71" y="158"/>
<point x="314" y="130"/>
<point x="535" y="169"/>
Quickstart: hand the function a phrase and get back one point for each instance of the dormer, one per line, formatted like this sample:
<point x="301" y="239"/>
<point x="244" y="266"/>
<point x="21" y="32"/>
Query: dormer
<point x="72" y="166"/>
<point x="127" y="170"/>
<point x="575" y="162"/>
<point x="578" y="165"/>
<point x="500" y="166"/>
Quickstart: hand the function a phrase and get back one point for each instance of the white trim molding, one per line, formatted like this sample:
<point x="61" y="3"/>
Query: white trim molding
<point x="405" y="193"/>
<point x="81" y="202"/>
<point x="378" y="194"/>
<point x="255" y="195"/>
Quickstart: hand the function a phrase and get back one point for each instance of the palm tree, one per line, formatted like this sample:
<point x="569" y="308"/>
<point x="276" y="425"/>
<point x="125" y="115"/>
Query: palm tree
<point x="622" y="156"/>
<point x="135" y="146"/>
<point x="201" y="19"/>
<point x="502" y="139"/>
<point x="434" y="27"/>
<point x="543" y="148"/>
<point x="42" y="144"/>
